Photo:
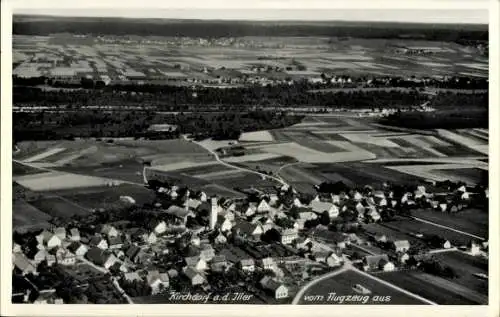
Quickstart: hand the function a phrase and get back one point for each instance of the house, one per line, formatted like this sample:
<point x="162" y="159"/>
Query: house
<point x="309" y="215"/>
<point x="296" y="202"/>
<point x="475" y="249"/>
<point x="179" y="213"/>
<point x="321" y="256"/>
<point x="446" y="244"/>
<point x="374" y="215"/>
<point x="443" y="207"/>
<point x="66" y="258"/>
<point x="196" y="262"/>
<point x="247" y="265"/>
<point x="202" y="197"/>
<point x="60" y="232"/>
<point x="16" y="248"/>
<point x="360" y="208"/>
<point x="248" y="230"/>
<point x="195" y="277"/>
<point x="401" y="246"/>
<point x="220" y="239"/>
<point x="207" y="252"/>
<point x="277" y="289"/>
<point x="79" y="249"/>
<point x="98" y="241"/>
<point x="160" y="228"/>
<point x="37" y="255"/>
<point x="133" y="253"/>
<point x="22" y="264"/>
<point x="74" y="234"/>
<point x="302" y="243"/>
<point x="267" y="263"/>
<point x="150" y="238"/>
<point x="219" y="263"/>
<point x="192" y="203"/>
<point x="357" y="196"/>
<point x="157" y="281"/>
<point x="132" y="276"/>
<point x="335" y="199"/>
<point x="333" y="260"/>
<point x="225" y="224"/>
<point x="101" y="257"/>
<point x="321" y="206"/>
<point x="109" y="231"/>
<point x="288" y="235"/>
<point x="298" y="224"/>
<point x="48" y="297"/>
<point x="377" y="262"/>
<point x="404" y="257"/>
<point x="115" y="243"/>
<point x="48" y="240"/>
<point x="249" y="210"/>
<point x="263" y="206"/>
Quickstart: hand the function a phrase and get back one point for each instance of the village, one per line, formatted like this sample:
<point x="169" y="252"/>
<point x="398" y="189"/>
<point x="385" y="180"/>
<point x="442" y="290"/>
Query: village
<point x="263" y="248"/>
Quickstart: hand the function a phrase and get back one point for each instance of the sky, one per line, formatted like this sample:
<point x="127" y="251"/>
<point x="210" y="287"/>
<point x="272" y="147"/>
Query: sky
<point x="423" y="11"/>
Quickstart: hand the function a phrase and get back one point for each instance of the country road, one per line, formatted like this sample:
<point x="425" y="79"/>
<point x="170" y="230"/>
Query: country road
<point x="279" y="180"/>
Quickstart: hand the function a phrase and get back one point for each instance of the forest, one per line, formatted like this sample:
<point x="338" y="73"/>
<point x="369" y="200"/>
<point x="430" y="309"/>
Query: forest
<point x="99" y="124"/>
<point x="219" y="28"/>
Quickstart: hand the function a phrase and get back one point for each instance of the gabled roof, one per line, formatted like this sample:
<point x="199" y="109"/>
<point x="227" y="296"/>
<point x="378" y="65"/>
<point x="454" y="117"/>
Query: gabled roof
<point x="177" y="211"/>
<point x="373" y="261"/>
<point x="132" y="276"/>
<point x="97" y="255"/>
<point x="155" y="275"/>
<point x="190" y="272"/>
<point x="219" y="259"/>
<point x="320" y="206"/>
<point x="402" y="244"/>
<point x="114" y="241"/>
<point x="270" y="284"/>
<point x="74" y="232"/>
<point x="132" y="251"/>
<point x="267" y="261"/>
<point x="22" y="263"/>
<point x="192" y="260"/>
<point x="245" y="227"/>
<point x="247" y="262"/>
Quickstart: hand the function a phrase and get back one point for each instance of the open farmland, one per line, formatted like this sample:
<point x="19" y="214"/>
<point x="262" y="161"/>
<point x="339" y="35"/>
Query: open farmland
<point x="342" y="284"/>
<point x="465" y="266"/>
<point x="410" y="226"/>
<point x="436" y="289"/>
<point x="19" y="169"/>
<point x="27" y="217"/>
<point x="470" y="220"/>
<point x="59" y="207"/>
<point x="100" y="197"/>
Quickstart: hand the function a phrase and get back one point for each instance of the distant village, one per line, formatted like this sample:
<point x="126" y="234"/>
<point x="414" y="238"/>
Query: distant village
<point x="266" y="246"/>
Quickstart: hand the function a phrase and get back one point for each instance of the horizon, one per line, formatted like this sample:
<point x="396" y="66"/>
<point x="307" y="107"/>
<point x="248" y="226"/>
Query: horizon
<point x="401" y="16"/>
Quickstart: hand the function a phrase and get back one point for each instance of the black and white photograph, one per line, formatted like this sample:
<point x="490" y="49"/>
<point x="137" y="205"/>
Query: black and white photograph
<point x="253" y="157"/>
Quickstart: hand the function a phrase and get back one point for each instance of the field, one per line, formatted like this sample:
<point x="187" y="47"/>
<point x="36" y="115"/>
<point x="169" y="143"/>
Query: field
<point x="471" y="220"/>
<point x="98" y="197"/>
<point x="342" y="284"/>
<point x="27" y="217"/>
<point x="410" y="226"/>
<point x="59" y="207"/>
<point x="19" y="169"/>
<point x="433" y="288"/>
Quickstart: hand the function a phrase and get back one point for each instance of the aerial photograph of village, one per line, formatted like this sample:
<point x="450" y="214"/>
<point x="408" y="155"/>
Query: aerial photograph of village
<point x="192" y="161"/>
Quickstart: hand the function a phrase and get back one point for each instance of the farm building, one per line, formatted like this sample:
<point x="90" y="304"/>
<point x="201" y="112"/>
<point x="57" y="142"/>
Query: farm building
<point x="277" y="289"/>
<point x="378" y="262"/>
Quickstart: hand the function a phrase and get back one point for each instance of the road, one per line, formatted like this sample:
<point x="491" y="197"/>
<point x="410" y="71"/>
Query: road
<point x="218" y="159"/>
<point x="448" y="228"/>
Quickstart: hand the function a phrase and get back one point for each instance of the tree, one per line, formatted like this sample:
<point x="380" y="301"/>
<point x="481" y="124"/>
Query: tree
<point x="324" y="218"/>
<point x="271" y="235"/>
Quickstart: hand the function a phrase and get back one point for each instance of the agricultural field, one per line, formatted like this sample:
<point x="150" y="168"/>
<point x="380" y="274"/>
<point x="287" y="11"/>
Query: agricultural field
<point x="56" y="206"/>
<point x="100" y="197"/>
<point x="19" y="169"/>
<point x="410" y="226"/>
<point x="470" y="220"/>
<point x="465" y="266"/>
<point x="27" y="217"/>
<point x="438" y="290"/>
<point x="342" y="284"/>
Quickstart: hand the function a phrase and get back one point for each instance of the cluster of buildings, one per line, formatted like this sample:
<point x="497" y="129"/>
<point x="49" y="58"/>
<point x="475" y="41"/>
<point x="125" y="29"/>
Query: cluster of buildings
<point x="279" y="235"/>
